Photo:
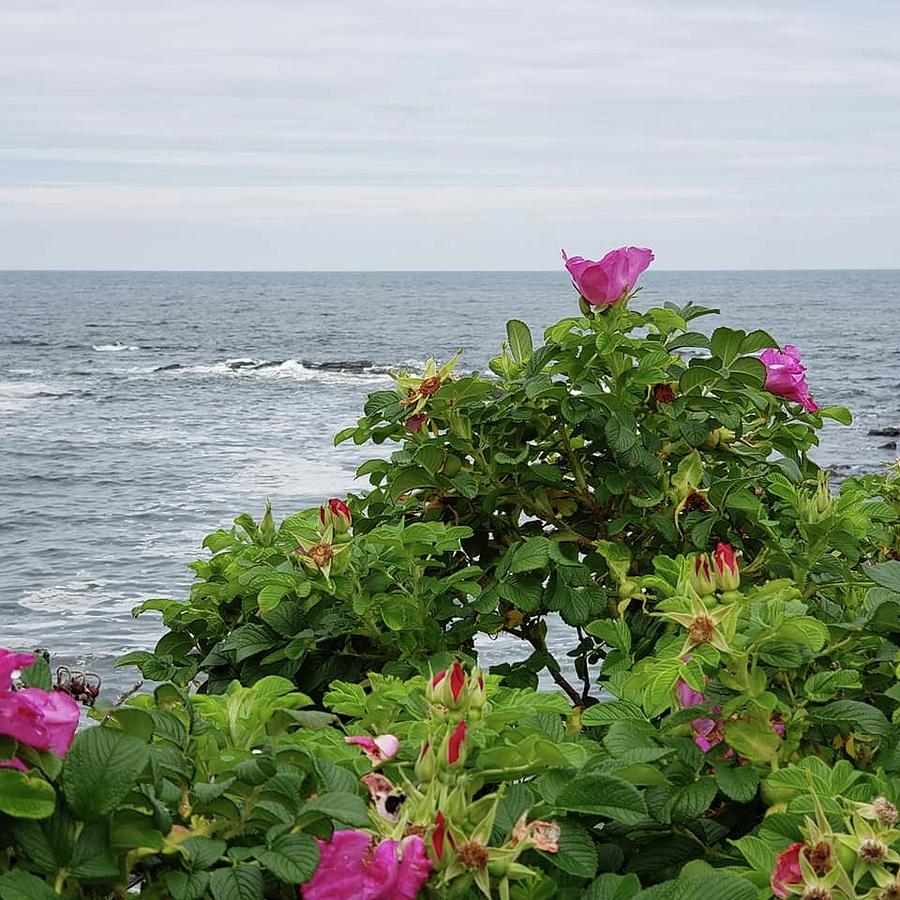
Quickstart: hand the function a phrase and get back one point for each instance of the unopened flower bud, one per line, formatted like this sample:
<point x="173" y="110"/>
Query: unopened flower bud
<point x="703" y="580"/>
<point x="426" y="763"/>
<point x="454" y="751"/>
<point x="477" y="690"/>
<point x="439" y="837"/>
<point x="336" y="513"/>
<point x="449" y="688"/>
<point x="728" y="572"/>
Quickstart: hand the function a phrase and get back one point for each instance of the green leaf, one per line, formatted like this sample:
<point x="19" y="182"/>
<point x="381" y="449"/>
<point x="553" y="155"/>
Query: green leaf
<point x="860" y="716"/>
<point x="887" y="574"/>
<point x="241" y="882"/>
<point x="689" y="802"/>
<point x="758" y="744"/>
<point x="726" y="344"/>
<point x="466" y="485"/>
<point x="611" y="711"/>
<point x="621" y="432"/>
<point x="757" y="852"/>
<point x="756" y="341"/>
<point x="430" y="457"/>
<point x="824" y="686"/>
<point x="613" y="887"/>
<point x="102" y="766"/>
<point x="92" y="859"/>
<point x="720" y="885"/>
<point x="292" y="858"/>
<point x="20" y="885"/>
<point x="346" y="808"/>
<point x="203" y="853"/>
<point x="697" y="376"/>
<point x="577" y="853"/>
<point x="47" y="844"/>
<point x="740" y="783"/>
<point x="520" y="343"/>
<point x="603" y="795"/>
<point x="186" y="886"/>
<point x="38" y="674"/>
<point x="25" y="796"/>
<point x="533" y="553"/>
<point x="838" y="413"/>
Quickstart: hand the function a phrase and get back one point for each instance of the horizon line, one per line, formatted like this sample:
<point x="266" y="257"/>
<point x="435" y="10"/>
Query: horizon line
<point x="458" y="271"/>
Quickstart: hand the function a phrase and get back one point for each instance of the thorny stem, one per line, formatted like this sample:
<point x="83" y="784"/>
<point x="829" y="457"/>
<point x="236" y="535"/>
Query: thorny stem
<point x="561" y="681"/>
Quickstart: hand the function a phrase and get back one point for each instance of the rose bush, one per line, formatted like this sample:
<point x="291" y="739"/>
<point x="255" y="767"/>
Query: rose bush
<point x="633" y="503"/>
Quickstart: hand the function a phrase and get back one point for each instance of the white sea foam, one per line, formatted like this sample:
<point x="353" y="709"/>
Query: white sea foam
<point x="290" y="369"/>
<point x="116" y="347"/>
<point x="74" y="597"/>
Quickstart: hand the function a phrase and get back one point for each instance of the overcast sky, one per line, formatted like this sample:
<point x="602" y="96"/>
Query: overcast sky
<point x="394" y="134"/>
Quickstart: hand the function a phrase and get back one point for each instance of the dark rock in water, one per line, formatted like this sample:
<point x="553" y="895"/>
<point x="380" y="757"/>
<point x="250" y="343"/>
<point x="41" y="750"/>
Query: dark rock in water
<point x="171" y="367"/>
<point x="884" y="432"/>
<point x="890" y="445"/>
<point x="354" y="367"/>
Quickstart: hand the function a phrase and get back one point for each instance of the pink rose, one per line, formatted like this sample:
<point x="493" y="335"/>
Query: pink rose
<point x="786" y="376"/>
<point x="45" y="720"/>
<point x="9" y="663"/>
<point x="353" y="865"/>
<point x="687" y="696"/>
<point x="606" y="281"/>
<point x="379" y="749"/>
<point x="787" y="871"/>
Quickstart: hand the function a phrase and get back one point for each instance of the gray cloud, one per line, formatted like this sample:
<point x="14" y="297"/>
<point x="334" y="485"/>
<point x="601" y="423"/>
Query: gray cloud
<point x="299" y="134"/>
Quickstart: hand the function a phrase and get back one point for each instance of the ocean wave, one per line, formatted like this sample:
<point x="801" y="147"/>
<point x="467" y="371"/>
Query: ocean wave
<point x="299" y="370"/>
<point x="115" y="347"/>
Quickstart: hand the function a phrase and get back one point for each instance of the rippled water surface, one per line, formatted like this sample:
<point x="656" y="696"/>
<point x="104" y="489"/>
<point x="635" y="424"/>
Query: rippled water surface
<point x="140" y="411"/>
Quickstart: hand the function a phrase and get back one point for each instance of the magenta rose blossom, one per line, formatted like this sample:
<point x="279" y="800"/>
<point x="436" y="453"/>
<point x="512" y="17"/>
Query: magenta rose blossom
<point x="787" y="871"/>
<point x="45" y="720"/>
<point x="786" y="376"/>
<point x="352" y="865"/>
<point x="9" y="663"/>
<point x="379" y="749"/>
<point x="687" y="696"/>
<point x="606" y="281"/>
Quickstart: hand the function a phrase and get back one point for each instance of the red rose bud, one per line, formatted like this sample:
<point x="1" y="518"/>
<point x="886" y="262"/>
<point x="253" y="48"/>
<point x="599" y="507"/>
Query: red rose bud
<point x="448" y="687"/>
<point x="337" y="514"/>
<point x="728" y="572"/>
<point x="703" y="579"/>
<point x="457" y="680"/>
<point x="438" y="836"/>
<point x="456" y="745"/>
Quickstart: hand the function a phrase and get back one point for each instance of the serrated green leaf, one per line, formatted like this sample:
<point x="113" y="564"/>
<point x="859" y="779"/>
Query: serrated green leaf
<point x="520" y="342"/>
<point x="25" y="796"/>
<point x="101" y="767"/>
<point x="240" y="882"/>
<point x="292" y="858"/>
<point x="603" y="795"/>
<point x="21" y="885"/>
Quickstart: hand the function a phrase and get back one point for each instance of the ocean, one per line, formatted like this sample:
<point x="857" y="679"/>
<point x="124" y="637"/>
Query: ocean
<point x="141" y="410"/>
